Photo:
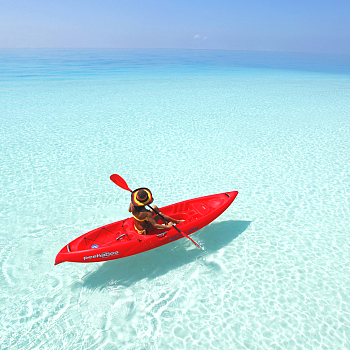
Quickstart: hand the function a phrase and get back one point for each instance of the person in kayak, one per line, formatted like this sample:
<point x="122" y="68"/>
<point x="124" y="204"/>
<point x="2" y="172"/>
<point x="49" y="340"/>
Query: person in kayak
<point x="143" y="218"/>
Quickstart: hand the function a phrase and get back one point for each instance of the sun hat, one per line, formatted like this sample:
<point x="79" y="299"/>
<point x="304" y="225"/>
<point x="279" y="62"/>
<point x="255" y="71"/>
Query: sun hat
<point x="141" y="197"/>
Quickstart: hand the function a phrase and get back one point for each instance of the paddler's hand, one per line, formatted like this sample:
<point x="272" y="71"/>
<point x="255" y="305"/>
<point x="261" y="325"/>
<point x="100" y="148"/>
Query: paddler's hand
<point x="169" y="224"/>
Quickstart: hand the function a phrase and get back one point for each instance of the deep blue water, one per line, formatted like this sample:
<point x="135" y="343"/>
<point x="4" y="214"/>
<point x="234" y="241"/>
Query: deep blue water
<point x="59" y="64"/>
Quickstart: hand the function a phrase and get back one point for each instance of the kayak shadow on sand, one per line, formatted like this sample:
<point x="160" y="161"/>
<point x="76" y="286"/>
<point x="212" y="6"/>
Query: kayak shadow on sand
<point x="157" y="262"/>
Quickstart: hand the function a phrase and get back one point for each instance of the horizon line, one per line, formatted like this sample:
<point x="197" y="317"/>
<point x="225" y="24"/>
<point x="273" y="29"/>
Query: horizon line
<point x="172" y="48"/>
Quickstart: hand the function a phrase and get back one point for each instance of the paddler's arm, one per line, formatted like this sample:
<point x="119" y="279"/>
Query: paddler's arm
<point x="166" y="216"/>
<point x="153" y="222"/>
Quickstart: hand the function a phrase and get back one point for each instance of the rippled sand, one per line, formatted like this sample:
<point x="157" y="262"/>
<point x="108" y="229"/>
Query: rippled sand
<point x="275" y="270"/>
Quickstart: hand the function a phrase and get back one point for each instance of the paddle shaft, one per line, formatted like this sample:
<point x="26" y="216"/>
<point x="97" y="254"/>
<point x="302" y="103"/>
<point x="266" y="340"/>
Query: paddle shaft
<point x="119" y="181"/>
<point x="166" y="221"/>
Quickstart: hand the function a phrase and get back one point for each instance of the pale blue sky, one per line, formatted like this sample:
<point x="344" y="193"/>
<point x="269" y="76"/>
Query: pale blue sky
<point x="269" y="25"/>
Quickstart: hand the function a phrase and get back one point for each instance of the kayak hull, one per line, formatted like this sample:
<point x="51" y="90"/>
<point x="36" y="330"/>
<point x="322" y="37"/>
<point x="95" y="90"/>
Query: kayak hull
<point x="120" y="239"/>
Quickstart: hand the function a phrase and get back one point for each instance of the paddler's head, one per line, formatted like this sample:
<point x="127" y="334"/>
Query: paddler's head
<point x="141" y="197"/>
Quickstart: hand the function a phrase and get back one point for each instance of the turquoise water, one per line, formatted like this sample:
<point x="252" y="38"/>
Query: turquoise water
<point x="275" y="127"/>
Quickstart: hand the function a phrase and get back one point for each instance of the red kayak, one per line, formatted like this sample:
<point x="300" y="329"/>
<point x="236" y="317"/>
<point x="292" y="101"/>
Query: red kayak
<point x="120" y="239"/>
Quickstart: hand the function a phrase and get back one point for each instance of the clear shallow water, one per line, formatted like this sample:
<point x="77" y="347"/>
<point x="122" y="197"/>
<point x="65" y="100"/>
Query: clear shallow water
<point x="275" y="127"/>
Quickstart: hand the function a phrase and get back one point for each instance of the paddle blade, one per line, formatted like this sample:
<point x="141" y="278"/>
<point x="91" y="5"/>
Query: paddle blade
<point x="119" y="181"/>
<point x="188" y="238"/>
<point x="198" y="246"/>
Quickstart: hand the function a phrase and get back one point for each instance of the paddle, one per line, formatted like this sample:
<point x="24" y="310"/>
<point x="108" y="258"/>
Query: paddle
<point x="119" y="181"/>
